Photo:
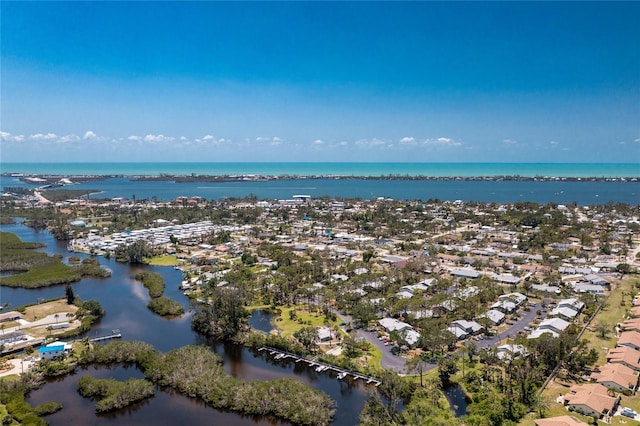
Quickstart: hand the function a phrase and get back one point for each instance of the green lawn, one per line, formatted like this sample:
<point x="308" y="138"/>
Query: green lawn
<point x="166" y="260"/>
<point x="287" y="326"/>
<point x="613" y="313"/>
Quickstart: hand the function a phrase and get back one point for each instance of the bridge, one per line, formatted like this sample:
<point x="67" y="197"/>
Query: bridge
<point x="319" y="365"/>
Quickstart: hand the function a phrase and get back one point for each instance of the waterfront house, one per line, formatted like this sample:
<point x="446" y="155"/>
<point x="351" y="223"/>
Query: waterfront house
<point x="53" y="350"/>
<point x="10" y="316"/>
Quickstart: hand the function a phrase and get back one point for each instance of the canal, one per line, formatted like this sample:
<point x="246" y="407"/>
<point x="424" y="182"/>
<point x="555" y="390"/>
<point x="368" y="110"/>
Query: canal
<point x="124" y="300"/>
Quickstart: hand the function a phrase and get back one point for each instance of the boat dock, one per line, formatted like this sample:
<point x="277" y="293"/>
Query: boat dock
<point x="319" y="365"/>
<point x="115" y="334"/>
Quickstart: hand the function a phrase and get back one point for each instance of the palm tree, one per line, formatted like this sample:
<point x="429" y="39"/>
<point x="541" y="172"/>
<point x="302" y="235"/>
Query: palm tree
<point x="56" y="316"/>
<point x="540" y="403"/>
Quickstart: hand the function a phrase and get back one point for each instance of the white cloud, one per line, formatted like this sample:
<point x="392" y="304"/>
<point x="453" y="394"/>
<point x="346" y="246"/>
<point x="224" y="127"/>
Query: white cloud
<point x="637" y="140"/>
<point x="183" y="138"/>
<point x="318" y="142"/>
<point x="134" y="138"/>
<point x="442" y="141"/>
<point x="8" y="137"/>
<point x="369" y="143"/>
<point x="275" y="141"/>
<point x="69" y="138"/>
<point x="554" y="144"/>
<point x="408" y="140"/>
<point x="509" y="142"/>
<point x="42" y="136"/>
<point x="208" y="138"/>
<point x="89" y="135"/>
<point x="158" y="138"/>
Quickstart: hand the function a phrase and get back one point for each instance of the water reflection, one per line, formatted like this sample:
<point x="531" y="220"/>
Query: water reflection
<point x="126" y="310"/>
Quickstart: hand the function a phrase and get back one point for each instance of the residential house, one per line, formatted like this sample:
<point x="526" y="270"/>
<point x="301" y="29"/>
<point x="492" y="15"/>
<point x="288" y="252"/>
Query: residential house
<point x="616" y="376"/>
<point x="591" y="399"/>
<point x="465" y="273"/>
<point x="464" y="328"/>
<point x="583" y="288"/>
<point x="560" y="421"/>
<point x="631" y="325"/>
<point x="53" y="350"/>
<point x="630" y="339"/>
<point x="406" y="331"/>
<point x="10" y="316"/>
<point x="596" y="280"/>
<point x="634" y="312"/>
<point x="510" y="351"/>
<point x="553" y="326"/>
<point x="324" y="334"/>
<point x="625" y="355"/>
<point x="515" y="297"/>
<point x="546" y="288"/>
<point x="567" y="308"/>
<point x="507" y="279"/>
<point x="494" y="316"/>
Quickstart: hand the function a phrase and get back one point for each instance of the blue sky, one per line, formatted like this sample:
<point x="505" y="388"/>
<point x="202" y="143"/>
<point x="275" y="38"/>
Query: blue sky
<point x="320" y="81"/>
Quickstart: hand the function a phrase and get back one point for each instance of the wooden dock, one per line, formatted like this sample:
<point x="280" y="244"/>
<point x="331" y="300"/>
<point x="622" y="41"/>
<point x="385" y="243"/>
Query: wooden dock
<point x="115" y="334"/>
<point x="319" y="365"/>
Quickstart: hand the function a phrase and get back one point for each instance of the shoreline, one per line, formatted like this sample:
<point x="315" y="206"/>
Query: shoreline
<point x="52" y="179"/>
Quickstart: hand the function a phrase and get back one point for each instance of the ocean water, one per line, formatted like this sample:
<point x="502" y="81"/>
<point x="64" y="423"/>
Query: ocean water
<point x="554" y="191"/>
<point x="320" y="181"/>
<point x="330" y="169"/>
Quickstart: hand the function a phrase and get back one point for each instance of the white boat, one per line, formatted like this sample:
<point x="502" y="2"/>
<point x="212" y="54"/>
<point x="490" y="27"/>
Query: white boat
<point x="342" y="375"/>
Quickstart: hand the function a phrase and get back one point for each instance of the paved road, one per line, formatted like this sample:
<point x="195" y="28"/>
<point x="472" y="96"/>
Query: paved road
<point x="389" y="361"/>
<point x="525" y="321"/>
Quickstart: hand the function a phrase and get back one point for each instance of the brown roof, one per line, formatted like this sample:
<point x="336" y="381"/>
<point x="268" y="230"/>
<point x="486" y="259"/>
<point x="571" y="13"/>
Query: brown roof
<point x="631" y="324"/>
<point x="626" y="355"/>
<point x="592" y="395"/>
<point x="629" y="338"/>
<point x="559" y="421"/>
<point x="9" y="316"/>
<point x="617" y="373"/>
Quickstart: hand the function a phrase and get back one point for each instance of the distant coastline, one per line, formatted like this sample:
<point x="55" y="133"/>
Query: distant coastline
<point x="225" y="172"/>
<point x="52" y="180"/>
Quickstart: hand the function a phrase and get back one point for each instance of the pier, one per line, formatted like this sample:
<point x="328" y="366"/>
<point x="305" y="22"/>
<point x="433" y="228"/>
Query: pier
<point x="115" y="334"/>
<point x="319" y="365"/>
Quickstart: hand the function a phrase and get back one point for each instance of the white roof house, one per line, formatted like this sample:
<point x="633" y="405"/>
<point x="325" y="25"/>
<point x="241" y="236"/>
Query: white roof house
<point x="496" y="317"/>
<point x="469" y="327"/>
<point x="465" y="273"/>
<point x="408" y="333"/>
<point x="556" y="324"/>
<point x="583" y="288"/>
<point x="564" y="312"/>
<point x="458" y="332"/>
<point x="392" y="324"/>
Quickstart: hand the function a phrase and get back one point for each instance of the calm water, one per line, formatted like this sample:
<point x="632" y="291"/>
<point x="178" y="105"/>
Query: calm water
<point x="261" y="320"/>
<point x="457" y="399"/>
<point x="562" y="192"/>
<point x="124" y="300"/>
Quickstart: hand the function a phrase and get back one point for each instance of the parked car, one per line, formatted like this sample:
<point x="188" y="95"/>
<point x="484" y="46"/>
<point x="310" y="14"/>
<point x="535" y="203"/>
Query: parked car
<point x="628" y="412"/>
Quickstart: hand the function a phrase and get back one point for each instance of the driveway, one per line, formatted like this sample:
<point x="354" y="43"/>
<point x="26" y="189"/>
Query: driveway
<point x="389" y="361"/>
<point x="525" y="321"/>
